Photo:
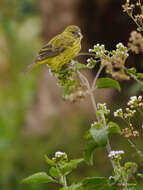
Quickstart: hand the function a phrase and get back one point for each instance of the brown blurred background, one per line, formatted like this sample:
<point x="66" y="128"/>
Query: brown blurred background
<point x="33" y="116"/>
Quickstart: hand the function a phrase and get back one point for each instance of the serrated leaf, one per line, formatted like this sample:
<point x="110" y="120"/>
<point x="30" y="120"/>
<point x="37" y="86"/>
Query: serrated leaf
<point x="80" y="66"/>
<point x="72" y="164"/>
<point x="99" y="135"/>
<point x="88" y="153"/>
<point x="49" y="161"/>
<point x="38" y="178"/>
<point x="54" y="172"/>
<point x="113" y="128"/>
<point x="96" y="183"/>
<point x="108" y="83"/>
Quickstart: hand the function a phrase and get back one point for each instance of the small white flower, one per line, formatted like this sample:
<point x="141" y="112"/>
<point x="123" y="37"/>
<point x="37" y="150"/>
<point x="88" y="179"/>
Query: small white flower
<point x="140" y="98"/>
<point x="127" y="54"/>
<point x="94" y="123"/>
<point x="132" y="100"/>
<point x="115" y="154"/>
<point x="88" y="65"/>
<point x="88" y="60"/>
<point x="59" y="154"/>
<point x="118" y="113"/>
<point x="120" y="44"/>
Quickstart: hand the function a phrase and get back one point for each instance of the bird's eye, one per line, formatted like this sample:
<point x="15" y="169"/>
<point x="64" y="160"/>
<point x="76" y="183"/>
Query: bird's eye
<point x="73" y="32"/>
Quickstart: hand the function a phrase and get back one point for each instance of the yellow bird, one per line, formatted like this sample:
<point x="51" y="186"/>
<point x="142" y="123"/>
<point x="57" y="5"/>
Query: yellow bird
<point x="59" y="50"/>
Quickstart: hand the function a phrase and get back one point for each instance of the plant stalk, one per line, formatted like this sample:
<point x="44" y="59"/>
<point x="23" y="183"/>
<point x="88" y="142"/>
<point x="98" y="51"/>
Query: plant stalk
<point x="93" y="101"/>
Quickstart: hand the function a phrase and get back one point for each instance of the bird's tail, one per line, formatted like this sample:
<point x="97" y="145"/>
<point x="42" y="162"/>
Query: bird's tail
<point x="30" y="67"/>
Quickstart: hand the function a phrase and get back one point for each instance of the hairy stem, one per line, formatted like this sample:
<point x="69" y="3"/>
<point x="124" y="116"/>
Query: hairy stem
<point x="93" y="101"/>
<point x="97" y="76"/>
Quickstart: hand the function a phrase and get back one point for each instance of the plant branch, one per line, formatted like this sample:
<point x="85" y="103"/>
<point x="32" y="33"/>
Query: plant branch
<point x="93" y="101"/>
<point x="86" y="83"/>
<point x="64" y="181"/>
<point x="97" y="76"/>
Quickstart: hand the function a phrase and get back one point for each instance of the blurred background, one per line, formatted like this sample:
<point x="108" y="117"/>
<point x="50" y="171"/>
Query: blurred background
<point x="33" y="116"/>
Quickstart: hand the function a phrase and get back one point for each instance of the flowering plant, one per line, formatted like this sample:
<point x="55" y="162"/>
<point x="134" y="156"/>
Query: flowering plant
<point x="76" y="87"/>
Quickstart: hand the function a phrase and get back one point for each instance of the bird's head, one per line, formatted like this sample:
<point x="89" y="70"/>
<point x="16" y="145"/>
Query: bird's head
<point x="74" y="31"/>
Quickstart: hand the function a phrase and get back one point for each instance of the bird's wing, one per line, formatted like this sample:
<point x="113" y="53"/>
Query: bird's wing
<point x="54" y="47"/>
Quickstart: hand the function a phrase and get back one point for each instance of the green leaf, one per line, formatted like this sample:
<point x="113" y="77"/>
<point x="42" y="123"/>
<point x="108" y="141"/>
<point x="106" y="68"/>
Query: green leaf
<point x="68" y="167"/>
<point x="80" y="66"/>
<point x="54" y="172"/>
<point x="140" y="75"/>
<point x="132" y="70"/>
<point x="88" y="153"/>
<point x="100" y="135"/>
<point x="140" y="175"/>
<point x="38" y="178"/>
<point x="108" y="83"/>
<point x="72" y="187"/>
<point x="67" y="88"/>
<point x="96" y="183"/>
<point x="49" y="161"/>
<point x="113" y="128"/>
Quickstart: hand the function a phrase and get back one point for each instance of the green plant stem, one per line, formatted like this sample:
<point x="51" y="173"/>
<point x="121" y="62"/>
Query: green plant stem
<point x="64" y="181"/>
<point x="86" y="83"/>
<point x="139" y="1"/>
<point x="135" y="147"/>
<point x="137" y="80"/>
<point x="97" y="76"/>
<point x="93" y="101"/>
<point x="135" y="21"/>
<point x="134" y="77"/>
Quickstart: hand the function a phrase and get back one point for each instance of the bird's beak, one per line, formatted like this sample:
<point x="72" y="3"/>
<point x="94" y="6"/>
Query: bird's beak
<point x="80" y="36"/>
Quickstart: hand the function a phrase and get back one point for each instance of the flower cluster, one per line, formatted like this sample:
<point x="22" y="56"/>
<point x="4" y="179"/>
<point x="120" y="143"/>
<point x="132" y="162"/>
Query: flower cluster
<point x="135" y="102"/>
<point x="115" y="62"/>
<point x="129" y="132"/>
<point x="129" y="113"/>
<point x="137" y="18"/>
<point x="128" y="8"/>
<point x="121" y="51"/>
<point x="94" y="123"/>
<point x="118" y="113"/>
<point x="60" y="156"/>
<point x="115" y="154"/>
<point x="91" y="63"/>
<point x="99" y="50"/>
<point x="136" y="42"/>
<point x="103" y="108"/>
<point x="76" y="96"/>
